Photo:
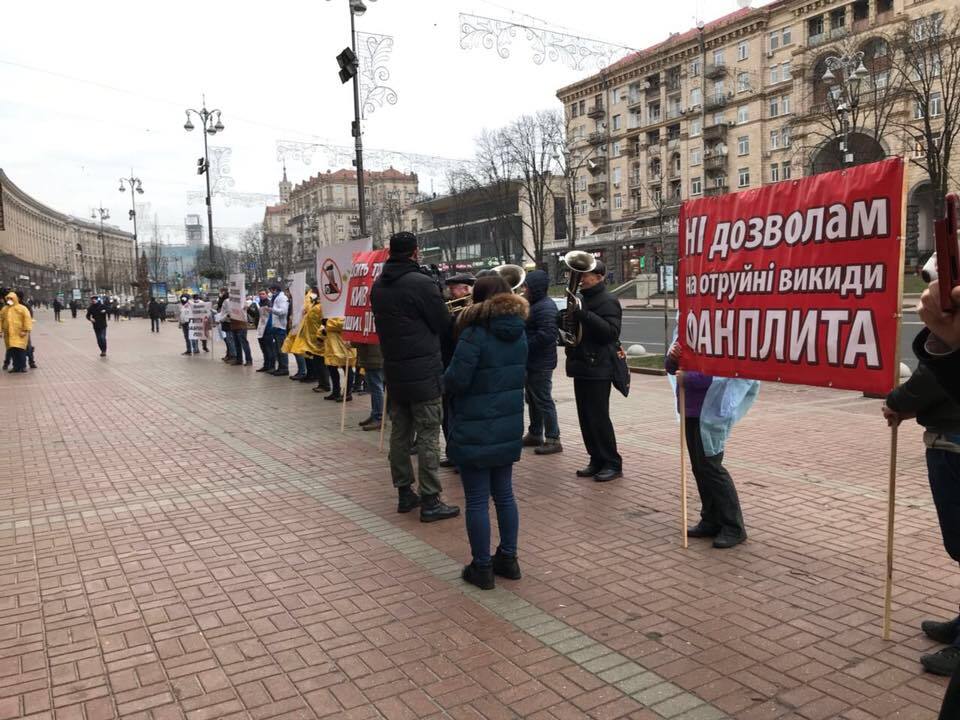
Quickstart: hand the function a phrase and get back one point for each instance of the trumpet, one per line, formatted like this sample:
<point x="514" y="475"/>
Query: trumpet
<point x="513" y="274"/>
<point x="458" y="304"/>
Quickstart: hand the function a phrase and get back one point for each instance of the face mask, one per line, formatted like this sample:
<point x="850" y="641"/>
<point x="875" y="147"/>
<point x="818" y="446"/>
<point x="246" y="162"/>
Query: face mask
<point x="313" y="296"/>
<point x="9" y="302"/>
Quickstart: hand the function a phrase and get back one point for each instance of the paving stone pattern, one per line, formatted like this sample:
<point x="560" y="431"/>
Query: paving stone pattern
<point x="183" y="539"/>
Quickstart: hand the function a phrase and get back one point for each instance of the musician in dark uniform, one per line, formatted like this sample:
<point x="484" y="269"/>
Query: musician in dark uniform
<point x="591" y="365"/>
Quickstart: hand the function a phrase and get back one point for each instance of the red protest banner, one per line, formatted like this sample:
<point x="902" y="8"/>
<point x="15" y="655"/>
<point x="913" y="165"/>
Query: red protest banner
<point x="797" y="282"/>
<point x="359" y="325"/>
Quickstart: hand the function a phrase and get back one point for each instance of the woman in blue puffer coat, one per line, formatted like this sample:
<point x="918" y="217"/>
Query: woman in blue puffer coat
<point x="485" y="384"/>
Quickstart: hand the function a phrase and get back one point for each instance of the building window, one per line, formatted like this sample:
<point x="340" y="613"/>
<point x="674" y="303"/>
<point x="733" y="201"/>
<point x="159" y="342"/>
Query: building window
<point x="696" y="126"/>
<point x="616" y="149"/>
<point x="743" y="145"/>
<point x="696" y="97"/>
<point x="583" y="207"/>
<point x="785" y="170"/>
<point x="717" y="88"/>
<point x="743" y="82"/>
<point x="779" y="106"/>
<point x="616" y="176"/>
<point x="718" y="57"/>
<point x="617" y="122"/>
<point x="787" y="37"/>
<point x="775" y="40"/>
<point x="582" y="183"/>
<point x="696" y="185"/>
<point x="614" y="96"/>
<point x="774" y="139"/>
<point x="573" y="110"/>
<point x="719" y="118"/>
<point x="696" y="156"/>
<point x="774" y="74"/>
<point x="743" y="50"/>
<point x="743" y="114"/>
<point x="743" y="177"/>
<point x="618" y="202"/>
<point x="936" y="104"/>
<point x="695" y="68"/>
<point x="785" y="71"/>
<point x="785" y="136"/>
<point x="774" y="173"/>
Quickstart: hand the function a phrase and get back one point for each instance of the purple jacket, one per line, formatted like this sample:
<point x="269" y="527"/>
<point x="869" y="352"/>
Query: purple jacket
<point x="696" y="385"/>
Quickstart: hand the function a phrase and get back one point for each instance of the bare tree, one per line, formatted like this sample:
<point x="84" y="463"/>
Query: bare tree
<point x="928" y="59"/>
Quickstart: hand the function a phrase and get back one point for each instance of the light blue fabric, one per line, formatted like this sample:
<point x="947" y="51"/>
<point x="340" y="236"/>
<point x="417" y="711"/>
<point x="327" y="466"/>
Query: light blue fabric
<point x="727" y="400"/>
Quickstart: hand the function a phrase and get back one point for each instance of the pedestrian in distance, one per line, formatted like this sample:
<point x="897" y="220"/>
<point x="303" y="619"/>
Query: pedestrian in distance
<point x="370" y="359"/>
<point x="155" y="312"/>
<point x="591" y="365"/>
<point x="185" y="312"/>
<point x="711" y="407"/>
<point x="31" y="350"/>
<point x="15" y="324"/>
<point x="543" y="433"/>
<point x="236" y="315"/>
<point x="263" y="335"/>
<point x="485" y="384"/>
<point x="922" y="397"/>
<point x="74" y="306"/>
<point x="57" y="309"/>
<point x="224" y="321"/>
<point x="97" y="313"/>
<point x="411" y="316"/>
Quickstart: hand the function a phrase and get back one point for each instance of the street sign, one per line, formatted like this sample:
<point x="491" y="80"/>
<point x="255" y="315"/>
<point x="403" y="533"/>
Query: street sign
<point x="271" y="273"/>
<point x="76" y="293"/>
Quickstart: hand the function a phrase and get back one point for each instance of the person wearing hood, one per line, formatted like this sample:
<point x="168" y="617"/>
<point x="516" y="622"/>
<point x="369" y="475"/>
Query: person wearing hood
<point x="411" y="317"/>
<point x="307" y="341"/>
<point x="336" y="355"/>
<point x="541" y="362"/>
<point x="591" y="365"/>
<point x="97" y="315"/>
<point x="15" y="324"/>
<point x="484" y="383"/>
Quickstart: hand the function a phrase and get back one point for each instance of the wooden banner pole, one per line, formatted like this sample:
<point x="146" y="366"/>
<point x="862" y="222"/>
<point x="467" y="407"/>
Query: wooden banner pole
<point x="681" y="405"/>
<point x="892" y="480"/>
<point x="383" y="415"/>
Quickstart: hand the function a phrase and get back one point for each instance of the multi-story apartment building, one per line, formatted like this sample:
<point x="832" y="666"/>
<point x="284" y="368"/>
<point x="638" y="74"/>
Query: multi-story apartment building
<point x="732" y="104"/>
<point x="57" y="252"/>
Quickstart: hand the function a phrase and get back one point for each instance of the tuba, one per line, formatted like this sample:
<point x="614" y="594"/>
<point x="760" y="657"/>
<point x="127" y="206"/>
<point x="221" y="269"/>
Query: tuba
<point x="513" y="274"/>
<point x="579" y="262"/>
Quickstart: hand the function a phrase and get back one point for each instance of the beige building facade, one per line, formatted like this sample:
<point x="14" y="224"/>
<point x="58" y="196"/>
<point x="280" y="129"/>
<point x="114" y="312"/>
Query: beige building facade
<point x="49" y="252"/>
<point x="734" y="104"/>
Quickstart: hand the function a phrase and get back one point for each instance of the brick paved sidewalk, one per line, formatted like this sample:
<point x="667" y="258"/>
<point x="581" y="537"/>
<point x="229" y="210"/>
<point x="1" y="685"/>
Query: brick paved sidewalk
<point x="179" y="538"/>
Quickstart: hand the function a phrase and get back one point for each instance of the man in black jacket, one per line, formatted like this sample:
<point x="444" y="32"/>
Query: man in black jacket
<point x="411" y="317"/>
<point x="155" y="312"/>
<point x="541" y="362"/>
<point x="97" y="314"/>
<point x="590" y="364"/>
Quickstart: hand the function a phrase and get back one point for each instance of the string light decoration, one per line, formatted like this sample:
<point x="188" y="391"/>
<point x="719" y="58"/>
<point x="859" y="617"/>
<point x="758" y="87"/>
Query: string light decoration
<point x="375" y="51"/>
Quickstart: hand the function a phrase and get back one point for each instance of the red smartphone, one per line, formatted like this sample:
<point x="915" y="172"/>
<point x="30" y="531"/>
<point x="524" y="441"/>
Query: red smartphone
<point x="948" y="251"/>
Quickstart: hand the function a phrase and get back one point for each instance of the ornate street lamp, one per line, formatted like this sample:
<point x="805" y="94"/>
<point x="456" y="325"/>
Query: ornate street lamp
<point x="211" y="124"/>
<point x="136" y="188"/>
<point x="103" y="214"/>
<point x="844" y="76"/>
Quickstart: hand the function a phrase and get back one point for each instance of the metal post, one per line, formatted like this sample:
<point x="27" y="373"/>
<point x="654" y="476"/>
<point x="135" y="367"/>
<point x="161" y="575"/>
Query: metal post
<point x="206" y="172"/>
<point x="361" y="206"/>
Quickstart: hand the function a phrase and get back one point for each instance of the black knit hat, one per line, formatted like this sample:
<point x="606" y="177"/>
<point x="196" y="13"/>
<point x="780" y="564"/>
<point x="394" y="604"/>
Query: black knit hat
<point x="403" y="243"/>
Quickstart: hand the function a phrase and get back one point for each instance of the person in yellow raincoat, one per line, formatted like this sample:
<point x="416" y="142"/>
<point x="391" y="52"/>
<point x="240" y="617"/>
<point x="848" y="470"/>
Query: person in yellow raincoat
<point x="308" y="341"/>
<point x="288" y="344"/>
<point x="336" y="355"/>
<point x="15" y="324"/>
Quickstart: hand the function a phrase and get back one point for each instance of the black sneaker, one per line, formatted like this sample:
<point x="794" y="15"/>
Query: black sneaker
<point x="408" y="501"/>
<point x="479" y="576"/>
<point x="728" y="538"/>
<point x="367" y="421"/>
<point x="703" y="530"/>
<point x="506" y="566"/>
<point x="550" y="447"/>
<point x="433" y="509"/>
<point x="944" y="662"/>
<point x="589" y="471"/>
<point x="941" y="632"/>
<point x="446" y="462"/>
<point x="608" y="475"/>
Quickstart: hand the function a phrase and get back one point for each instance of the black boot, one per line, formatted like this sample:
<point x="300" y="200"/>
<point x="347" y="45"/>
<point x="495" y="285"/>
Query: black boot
<point x="589" y="471"/>
<point x="506" y="566"/>
<point x="942" y="632"/>
<point x="479" y="576"/>
<point x="943" y="662"/>
<point x="703" y="529"/>
<point x="434" y="509"/>
<point x="409" y="500"/>
<point x="729" y="537"/>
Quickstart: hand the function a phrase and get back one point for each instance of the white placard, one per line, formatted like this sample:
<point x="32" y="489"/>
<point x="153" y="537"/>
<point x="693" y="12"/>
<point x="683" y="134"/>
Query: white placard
<point x="238" y="296"/>
<point x="334" y="263"/>
<point x="298" y="286"/>
<point x="199" y="314"/>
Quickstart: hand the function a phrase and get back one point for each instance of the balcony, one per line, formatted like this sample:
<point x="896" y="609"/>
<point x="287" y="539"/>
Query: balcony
<point x="674" y="173"/>
<point x="673" y="143"/>
<point x="716" y="162"/>
<point x="654" y="179"/>
<point x="598" y="216"/>
<point x="654" y="117"/>
<point x="717" y="131"/>
<point x="673" y="85"/>
<point x="715" y="102"/>
<point x="716" y="190"/>
<point x="634" y="181"/>
<point x="597" y="165"/>
<point x="598" y="137"/>
<point x="839" y="32"/>
<point x="597" y="188"/>
<point x="596" y="112"/>
<point x="674" y="112"/>
<point x="653" y="150"/>
<point x="652" y="92"/>
<point x="633" y="149"/>
<point x="715" y="71"/>
<point x="634" y="99"/>
<point x="817" y="40"/>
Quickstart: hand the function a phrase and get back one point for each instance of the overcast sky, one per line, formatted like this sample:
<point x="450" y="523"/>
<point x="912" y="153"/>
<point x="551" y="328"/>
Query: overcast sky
<point x="90" y="90"/>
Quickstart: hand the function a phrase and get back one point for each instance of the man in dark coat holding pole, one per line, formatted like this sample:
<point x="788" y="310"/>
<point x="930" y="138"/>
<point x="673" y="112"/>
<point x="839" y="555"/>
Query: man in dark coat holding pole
<point x="411" y="316"/>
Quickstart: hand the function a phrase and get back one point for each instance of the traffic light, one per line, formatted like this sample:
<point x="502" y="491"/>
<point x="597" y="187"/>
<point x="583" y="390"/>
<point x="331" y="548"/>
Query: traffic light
<point x="201" y="166"/>
<point x="347" y="60"/>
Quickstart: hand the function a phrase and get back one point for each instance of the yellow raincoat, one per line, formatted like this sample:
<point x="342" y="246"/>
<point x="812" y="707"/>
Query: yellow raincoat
<point x="15" y="323"/>
<point x="290" y="340"/>
<point x="335" y="350"/>
<point x="307" y="340"/>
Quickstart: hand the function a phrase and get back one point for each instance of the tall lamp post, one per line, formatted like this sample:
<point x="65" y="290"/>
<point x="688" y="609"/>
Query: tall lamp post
<point x="103" y="214"/>
<point x="136" y="188"/>
<point x="211" y="124"/>
<point x="349" y="65"/>
<point x="844" y="76"/>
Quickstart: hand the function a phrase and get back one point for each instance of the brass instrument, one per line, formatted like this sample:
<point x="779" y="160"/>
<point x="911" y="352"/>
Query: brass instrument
<point x="513" y="274"/>
<point x="458" y="304"/>
<point x="579" y="262"/>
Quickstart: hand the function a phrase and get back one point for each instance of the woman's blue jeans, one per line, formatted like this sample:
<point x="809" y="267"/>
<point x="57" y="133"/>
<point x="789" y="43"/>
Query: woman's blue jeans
<point x="479" y="485"/>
